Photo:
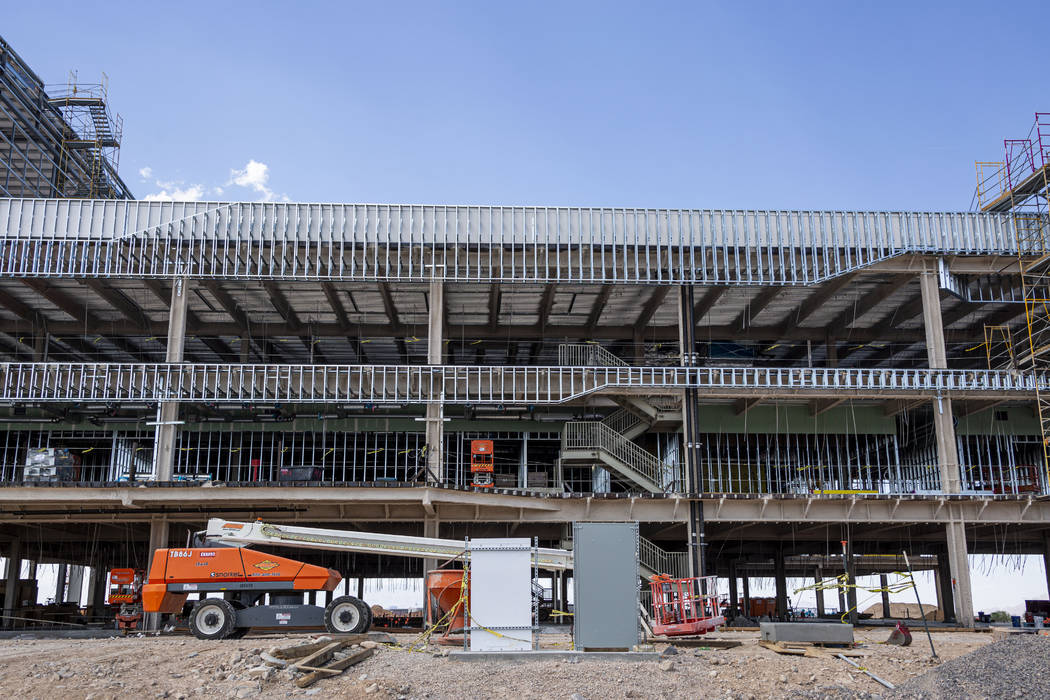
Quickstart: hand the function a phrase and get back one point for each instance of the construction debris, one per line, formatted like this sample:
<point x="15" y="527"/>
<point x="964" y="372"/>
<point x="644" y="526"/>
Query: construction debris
<point x="866" y="671"/>
<point x="901" y="635"/>
<point x="806" y="649"/>
<point x="334" y="668"/>
<point x="325" y="657"/>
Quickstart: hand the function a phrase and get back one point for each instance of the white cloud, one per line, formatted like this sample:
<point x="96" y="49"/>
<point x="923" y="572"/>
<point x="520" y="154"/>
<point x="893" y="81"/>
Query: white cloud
<point x="191" y="193"/>
<point x="255" y="176"/>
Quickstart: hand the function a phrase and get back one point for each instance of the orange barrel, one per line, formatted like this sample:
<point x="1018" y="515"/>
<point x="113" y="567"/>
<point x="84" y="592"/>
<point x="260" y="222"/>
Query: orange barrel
<point x="444" y="587"/>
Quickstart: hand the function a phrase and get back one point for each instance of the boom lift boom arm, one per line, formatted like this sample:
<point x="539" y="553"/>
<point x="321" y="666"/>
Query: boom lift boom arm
<point x="244" y="534"/>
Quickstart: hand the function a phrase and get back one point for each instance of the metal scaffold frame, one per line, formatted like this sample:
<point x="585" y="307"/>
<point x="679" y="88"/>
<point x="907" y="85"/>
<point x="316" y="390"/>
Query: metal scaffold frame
<point x="62" y="145"/>
<point x="1024" y="193"/>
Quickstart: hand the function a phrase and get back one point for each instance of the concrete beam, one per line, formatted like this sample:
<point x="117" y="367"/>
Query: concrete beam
<point x="363" y="504"/>
<point x="595" y="315"/>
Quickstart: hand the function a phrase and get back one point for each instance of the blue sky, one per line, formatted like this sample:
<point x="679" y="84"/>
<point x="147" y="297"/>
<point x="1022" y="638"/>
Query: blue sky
<point x="867" y="105"/>
<point x="876" y="105"/>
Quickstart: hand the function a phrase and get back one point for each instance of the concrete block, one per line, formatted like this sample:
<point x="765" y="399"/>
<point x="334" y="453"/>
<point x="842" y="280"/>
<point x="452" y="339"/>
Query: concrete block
<point x="815" y="632"/>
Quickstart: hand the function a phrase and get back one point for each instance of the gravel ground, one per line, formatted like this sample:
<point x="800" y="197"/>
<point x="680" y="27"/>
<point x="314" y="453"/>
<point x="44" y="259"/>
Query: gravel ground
<point x="1017" y="667"/>
<point x="187" y="668"/>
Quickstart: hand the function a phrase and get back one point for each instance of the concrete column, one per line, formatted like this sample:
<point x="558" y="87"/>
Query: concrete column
<point x="164" y="450"/>
<point x="959" y="564"/>
<point x="13" y="574"/>
<point x="884" y="582"/>
<point x="780" y="577"/>
<point x="97" y="589"/>
<point x="842" y="602"/>
<point x="832" y="351"/>
<point x="943" y="423"/>
<point x="817" y="578"/>
<point x="747" y="594"/>
<point x="430" y="529"/>
<point x="60" y="584"/>
<point x="945" y="594"/>
<point x="937" y="590"/>
<point x="435" y="416"/>
<point x="159" y="534"/>
<point x="695" y="530"/>
<point x="733" y="600"/>
<point x="40" y="343"/>
<point x="851" y="579"/>
<point x="75" y="586"/>
<point x="1046" y="563"/>
<point x="360" y="588"/>
<point x="947" y="452"/>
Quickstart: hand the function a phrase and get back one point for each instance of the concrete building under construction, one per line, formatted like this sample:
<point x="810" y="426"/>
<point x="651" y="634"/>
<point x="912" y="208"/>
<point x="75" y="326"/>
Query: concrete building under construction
<point x="751" y="387"/>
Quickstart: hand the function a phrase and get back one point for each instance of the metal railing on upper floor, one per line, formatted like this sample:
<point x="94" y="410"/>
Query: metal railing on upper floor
<point x="501" y="385"/>
<point x="587" y="355"/>
<point x="294" y="241"/>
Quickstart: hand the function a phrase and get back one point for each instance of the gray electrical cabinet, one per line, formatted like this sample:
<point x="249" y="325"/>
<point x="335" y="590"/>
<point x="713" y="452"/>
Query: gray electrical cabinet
<point x="605" y="584"/>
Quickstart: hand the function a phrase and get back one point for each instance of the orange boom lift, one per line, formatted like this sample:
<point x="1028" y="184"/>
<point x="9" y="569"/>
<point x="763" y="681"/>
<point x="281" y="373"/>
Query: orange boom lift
<point x="233" y="581"/>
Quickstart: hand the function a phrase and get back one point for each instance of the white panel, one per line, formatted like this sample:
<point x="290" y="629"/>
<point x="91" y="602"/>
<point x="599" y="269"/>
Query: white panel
<point x="501" y="594"/>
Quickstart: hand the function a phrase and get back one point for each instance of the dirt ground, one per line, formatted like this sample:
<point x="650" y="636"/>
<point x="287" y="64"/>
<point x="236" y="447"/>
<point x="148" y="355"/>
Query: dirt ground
<point x="182" y="667"/>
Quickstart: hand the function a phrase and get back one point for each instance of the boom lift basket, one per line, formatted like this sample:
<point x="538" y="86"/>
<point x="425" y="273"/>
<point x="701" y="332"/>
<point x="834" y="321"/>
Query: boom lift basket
<point x="684" y="606"/>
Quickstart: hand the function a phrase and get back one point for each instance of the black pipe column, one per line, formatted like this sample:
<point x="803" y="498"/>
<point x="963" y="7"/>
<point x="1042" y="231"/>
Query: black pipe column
<point x="691" y="433"/>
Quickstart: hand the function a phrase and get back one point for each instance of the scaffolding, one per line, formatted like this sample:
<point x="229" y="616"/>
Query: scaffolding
<point x="1021" y="187"/>
<point x="93" y="131"/>
<point x="59" y="145"/>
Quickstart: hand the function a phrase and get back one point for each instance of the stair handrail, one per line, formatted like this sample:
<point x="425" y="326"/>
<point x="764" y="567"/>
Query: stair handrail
<point x="596" y="435"/>
<point x="587" y="355"/>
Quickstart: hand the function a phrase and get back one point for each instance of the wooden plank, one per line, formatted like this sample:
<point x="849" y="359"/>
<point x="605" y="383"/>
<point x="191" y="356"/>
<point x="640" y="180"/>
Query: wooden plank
<point x="307" y="649"/>
<point x="340" y="665"/>
<point x="320" y="656"/>
<point x="690" y="643"/>
<point x="315" y="669"/>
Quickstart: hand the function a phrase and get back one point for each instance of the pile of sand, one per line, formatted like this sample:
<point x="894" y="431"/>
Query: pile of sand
<point x="906" y="611"/>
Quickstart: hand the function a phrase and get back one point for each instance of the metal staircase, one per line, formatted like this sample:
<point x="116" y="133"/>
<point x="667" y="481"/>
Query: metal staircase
<point x="595" y="443"/>
<point x="653" y="560"/>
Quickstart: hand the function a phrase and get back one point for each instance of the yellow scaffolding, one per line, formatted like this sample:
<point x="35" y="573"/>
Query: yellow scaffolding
<point x="999" y="347"/>
<point x="1029" y="199"/>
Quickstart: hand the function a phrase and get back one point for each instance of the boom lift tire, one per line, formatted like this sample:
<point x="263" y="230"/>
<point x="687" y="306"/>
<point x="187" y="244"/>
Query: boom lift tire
<point x="347" y="615"/>
<point x="213" y="618"/>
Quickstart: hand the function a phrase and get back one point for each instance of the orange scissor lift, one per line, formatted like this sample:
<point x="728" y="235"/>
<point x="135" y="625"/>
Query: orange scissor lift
<point x="481" y="463"/>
